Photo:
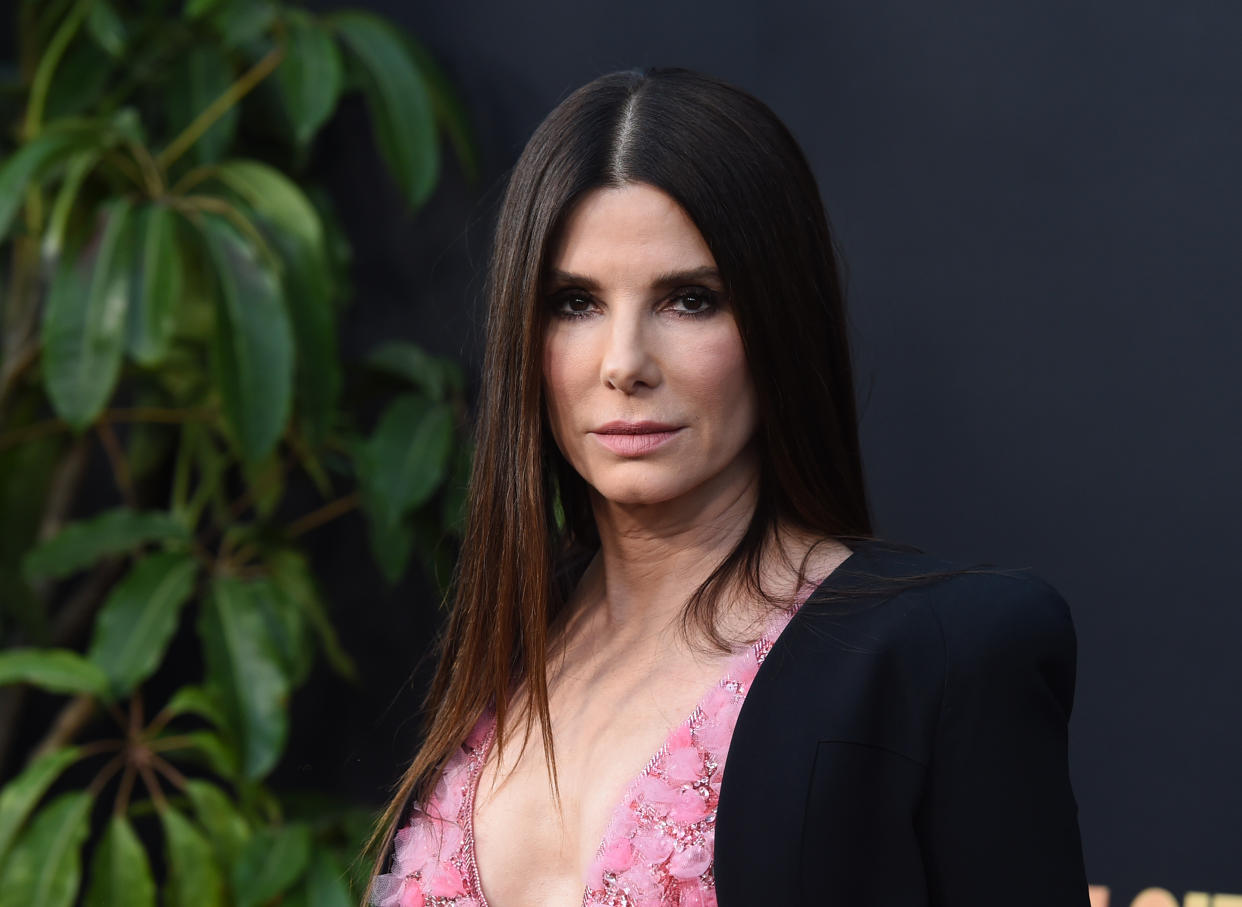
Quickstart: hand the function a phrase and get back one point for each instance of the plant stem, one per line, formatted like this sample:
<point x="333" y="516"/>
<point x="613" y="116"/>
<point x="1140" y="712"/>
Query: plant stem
<point x="104" y="775"/>
<point x="121" y="473"/>
<point x="324" y="514"/>
<point x="100" y="746"/>
<point x="192" y="178"/>
<point x="275" y="468"/>
<point x="47" y="67"/>
<point x="213" y="205"/>
<point x="161" y="415"/>
<point x="64" y="488"/>
<point x="123" y="791"/>
<point x="153" y="787"/>
<point x="74" y="716"/>
<point x="152" y="176"/>
<point x="125" y="166"/>
<point x="166" y="768"/>
<point x="32" y="432"/>
<point x="135" y="715"/>
<point x="217" y="108"/>
<point x="118" y="716"/>
<point x="176" y="742"/>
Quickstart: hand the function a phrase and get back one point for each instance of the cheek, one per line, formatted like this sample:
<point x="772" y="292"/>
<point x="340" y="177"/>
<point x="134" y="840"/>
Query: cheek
<point x="561" y="377"/>
<point x="721" y="378"/>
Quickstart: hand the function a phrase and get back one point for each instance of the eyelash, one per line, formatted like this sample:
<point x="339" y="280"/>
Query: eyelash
<point x="709" y="297"/>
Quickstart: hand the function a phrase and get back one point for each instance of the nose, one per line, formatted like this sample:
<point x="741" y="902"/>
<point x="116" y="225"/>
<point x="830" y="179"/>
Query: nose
<point x="628" y="363"/>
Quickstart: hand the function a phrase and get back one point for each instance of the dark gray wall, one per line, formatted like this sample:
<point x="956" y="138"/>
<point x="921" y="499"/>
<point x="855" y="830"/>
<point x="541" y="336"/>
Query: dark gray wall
<point x="1041" y="211"/>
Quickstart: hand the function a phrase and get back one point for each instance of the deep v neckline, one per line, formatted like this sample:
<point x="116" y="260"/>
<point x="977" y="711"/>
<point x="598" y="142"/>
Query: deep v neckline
<point x="733" y="667"/>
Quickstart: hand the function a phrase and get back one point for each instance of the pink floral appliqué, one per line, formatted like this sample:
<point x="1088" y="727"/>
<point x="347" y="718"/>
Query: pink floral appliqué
<point x="431" y="859"/>
<point x="658" y="848"/>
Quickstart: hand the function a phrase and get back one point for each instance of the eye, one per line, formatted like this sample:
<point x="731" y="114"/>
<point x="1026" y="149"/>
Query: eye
<point x="691" y="301"/>
<point x="571" y="304"/>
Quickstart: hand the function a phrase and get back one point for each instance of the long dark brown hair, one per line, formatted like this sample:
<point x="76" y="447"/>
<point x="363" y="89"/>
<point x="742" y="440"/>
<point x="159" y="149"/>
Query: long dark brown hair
<point x="742" y="179"/>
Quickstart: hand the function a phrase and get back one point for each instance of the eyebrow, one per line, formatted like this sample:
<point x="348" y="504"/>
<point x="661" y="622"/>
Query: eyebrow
<point x="557" y="277"/>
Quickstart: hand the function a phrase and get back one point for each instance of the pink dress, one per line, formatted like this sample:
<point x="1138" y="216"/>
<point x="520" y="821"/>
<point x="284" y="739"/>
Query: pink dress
<point x="658" y="846"/>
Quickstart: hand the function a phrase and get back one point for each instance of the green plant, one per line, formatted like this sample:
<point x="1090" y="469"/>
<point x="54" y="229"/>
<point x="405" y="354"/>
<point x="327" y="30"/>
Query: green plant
<point x="170" y="300"/>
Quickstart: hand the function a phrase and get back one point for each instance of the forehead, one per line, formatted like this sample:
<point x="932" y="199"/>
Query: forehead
<point x="633" y="228"/>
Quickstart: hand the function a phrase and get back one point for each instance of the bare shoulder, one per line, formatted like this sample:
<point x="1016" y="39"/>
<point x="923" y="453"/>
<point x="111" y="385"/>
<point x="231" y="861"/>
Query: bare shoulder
<point x="815" y="556"/>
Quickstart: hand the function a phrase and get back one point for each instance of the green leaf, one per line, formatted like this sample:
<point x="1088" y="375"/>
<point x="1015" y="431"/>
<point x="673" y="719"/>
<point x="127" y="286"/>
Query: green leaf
<point x="192" y="700"/>
<point x="19" y="796"/>
<point x="212" y="751"/>
<point x="292" y="577"/>
<point x="431" y="543"/>
<point x="405" y="460"/>
<point x="225" y="826"/>
<point x="112" y="532"/>
<point x="45" y="867"/>
<point x="326" y="884"/>
<point x="106" y="27"/>
<point x="265" y="480"/>
<point x="287" y="629"/>
<point x="155" y="292"/>
<point x="79" y="167"/>
<point x="196" y="9"/>
<point x="194" y="877"/>
<point x="398" y="100"/>
<point x="391" y="546"/>
<point x="253" y="348"/>
<point x="84" y="323"/>
<point x="33" y="160"/>
<point x="26" y="472"/>
<point x="313" y="317"/>
<point x="453" y="512"/>
<point x="199" y="77"/>
<point x="309" y="77"/>
<point x="245" y="670"/>
<point x="275" y="197"/>
<point x="399" y="468"/>
<point x="242" y="21"/>
<point x="137" y="621"/>
<point x="80" y="79"/>
<point x="449" y="110"/>
<point x="271" y="861"/>
<point x="434" y="375"/>
<point x="120" y="873"/>
<point x="299" y="237"/>
<point x="55" y="670"/>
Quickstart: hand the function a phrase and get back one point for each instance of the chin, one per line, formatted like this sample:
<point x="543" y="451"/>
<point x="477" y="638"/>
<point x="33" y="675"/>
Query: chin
<point x="637" y="492"/>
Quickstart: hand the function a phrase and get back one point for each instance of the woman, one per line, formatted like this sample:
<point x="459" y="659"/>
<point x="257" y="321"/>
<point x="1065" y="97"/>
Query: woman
<point x="668" y="495"/>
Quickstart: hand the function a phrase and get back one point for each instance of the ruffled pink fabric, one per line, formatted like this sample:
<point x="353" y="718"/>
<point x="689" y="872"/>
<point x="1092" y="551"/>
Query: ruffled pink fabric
<point x="657" y="850"/>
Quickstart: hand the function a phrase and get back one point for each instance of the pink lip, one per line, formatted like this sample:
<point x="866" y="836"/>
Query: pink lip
<point x="633" y="439"/>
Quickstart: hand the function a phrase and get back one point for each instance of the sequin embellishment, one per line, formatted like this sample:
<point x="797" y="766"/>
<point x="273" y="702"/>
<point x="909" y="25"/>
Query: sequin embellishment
<point x="658" y="847"/>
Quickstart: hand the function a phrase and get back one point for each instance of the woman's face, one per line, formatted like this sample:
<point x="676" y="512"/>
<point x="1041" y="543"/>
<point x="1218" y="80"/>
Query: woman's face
<point x="648" y="392"/>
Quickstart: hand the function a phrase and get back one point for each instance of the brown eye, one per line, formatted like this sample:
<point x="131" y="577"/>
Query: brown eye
<point x="694" y="301"/>
<point x="571" y="304"/>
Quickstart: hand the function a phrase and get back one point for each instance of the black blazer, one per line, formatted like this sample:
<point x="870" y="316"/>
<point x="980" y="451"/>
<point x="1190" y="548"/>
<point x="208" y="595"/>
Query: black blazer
<point x="904" y="745"/>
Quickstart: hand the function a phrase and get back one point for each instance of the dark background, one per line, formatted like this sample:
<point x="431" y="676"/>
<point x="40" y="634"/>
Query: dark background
<point x="1040" y="208"/>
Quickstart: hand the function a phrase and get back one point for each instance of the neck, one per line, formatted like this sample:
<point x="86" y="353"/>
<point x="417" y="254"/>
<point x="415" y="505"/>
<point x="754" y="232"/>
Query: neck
<point x="653" y="556"/>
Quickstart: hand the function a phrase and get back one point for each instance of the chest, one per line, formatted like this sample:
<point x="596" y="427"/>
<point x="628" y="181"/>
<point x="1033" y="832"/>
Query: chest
<point x="608" y="728"/>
